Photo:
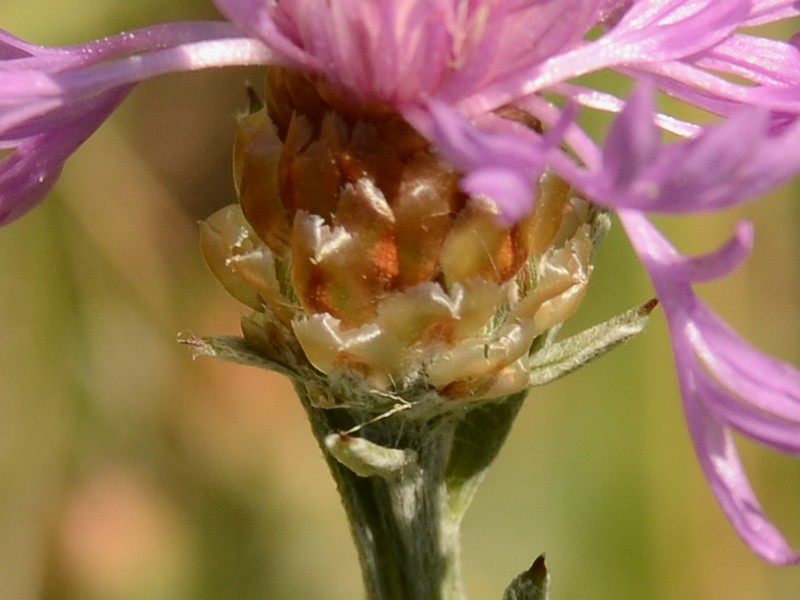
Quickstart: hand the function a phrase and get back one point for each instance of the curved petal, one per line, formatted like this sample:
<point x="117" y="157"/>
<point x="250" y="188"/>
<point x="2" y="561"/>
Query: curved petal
<point x="722" y="261"/>
<point x="31" y="169"/>
<point x="52" y="99"/>
<point x="728" y="481"/>
<point x="710" y="171"/>
<point x="24" y="86"/>
<point x="758" y="59"/>
<point x="501" y="163"/>
<point x="524" y="34"/>
<point x="769" y="11"/>
<point x="633" y="143"/>
<point x="769" y="384"/>
<point x="255" y="18"/>
<point x="724" y="383"/>
<point x="764" y="427"/>
<point x="649" y="33"/>
<point x="18" y="55"/>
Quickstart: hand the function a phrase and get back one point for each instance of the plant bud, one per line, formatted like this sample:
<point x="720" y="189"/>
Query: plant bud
<point x="359" y="253"/>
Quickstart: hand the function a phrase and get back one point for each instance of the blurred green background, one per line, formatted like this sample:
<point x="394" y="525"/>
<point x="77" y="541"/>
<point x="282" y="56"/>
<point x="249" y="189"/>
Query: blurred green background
<point x="130" y="472"/>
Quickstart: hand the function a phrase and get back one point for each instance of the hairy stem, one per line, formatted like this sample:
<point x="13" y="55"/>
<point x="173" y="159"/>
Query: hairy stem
<point x="406" y="521"/>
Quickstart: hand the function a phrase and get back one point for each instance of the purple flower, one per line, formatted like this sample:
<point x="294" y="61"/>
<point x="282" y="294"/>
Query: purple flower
<point x="448" y="67"/>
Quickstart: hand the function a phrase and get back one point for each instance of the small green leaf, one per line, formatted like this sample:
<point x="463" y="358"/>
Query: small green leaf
<point x="533" y="584"/>
<point x="477" y="439"/>
<point x="232" y="349"/>
<point x="561" y="358"/>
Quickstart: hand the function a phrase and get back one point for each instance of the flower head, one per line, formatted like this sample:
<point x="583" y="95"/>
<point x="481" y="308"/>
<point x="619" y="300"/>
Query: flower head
<point x="461" y="73"/>
<point x="359" y="253"/>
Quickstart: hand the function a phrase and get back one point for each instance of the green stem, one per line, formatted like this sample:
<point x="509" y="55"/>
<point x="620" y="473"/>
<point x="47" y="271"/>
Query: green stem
<point x="406" y="523"/>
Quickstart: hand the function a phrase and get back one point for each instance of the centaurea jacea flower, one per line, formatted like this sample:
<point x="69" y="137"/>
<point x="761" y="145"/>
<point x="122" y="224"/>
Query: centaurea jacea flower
<point x="452" y="69"/>
<point x="391" y="270"/>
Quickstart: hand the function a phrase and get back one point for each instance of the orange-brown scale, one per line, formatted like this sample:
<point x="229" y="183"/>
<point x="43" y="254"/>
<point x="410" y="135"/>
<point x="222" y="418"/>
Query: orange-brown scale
<point x="364" y="170"/>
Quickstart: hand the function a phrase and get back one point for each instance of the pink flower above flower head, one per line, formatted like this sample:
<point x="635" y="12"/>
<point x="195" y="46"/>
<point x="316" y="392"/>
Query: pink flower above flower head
<point x="450" y="67"/>
<point x="400" y="52"/>
<point x="455" y="61"/>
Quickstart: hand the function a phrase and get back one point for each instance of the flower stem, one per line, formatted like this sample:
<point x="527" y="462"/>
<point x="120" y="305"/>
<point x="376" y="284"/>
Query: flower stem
<point x="406" y="521"/>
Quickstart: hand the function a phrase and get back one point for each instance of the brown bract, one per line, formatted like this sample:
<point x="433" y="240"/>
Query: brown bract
<point x="359" y="252"/>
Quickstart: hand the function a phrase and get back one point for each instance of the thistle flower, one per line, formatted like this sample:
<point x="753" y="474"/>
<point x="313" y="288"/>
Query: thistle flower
<point x="356" y="249"/>
<point x="461" y="74"/>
